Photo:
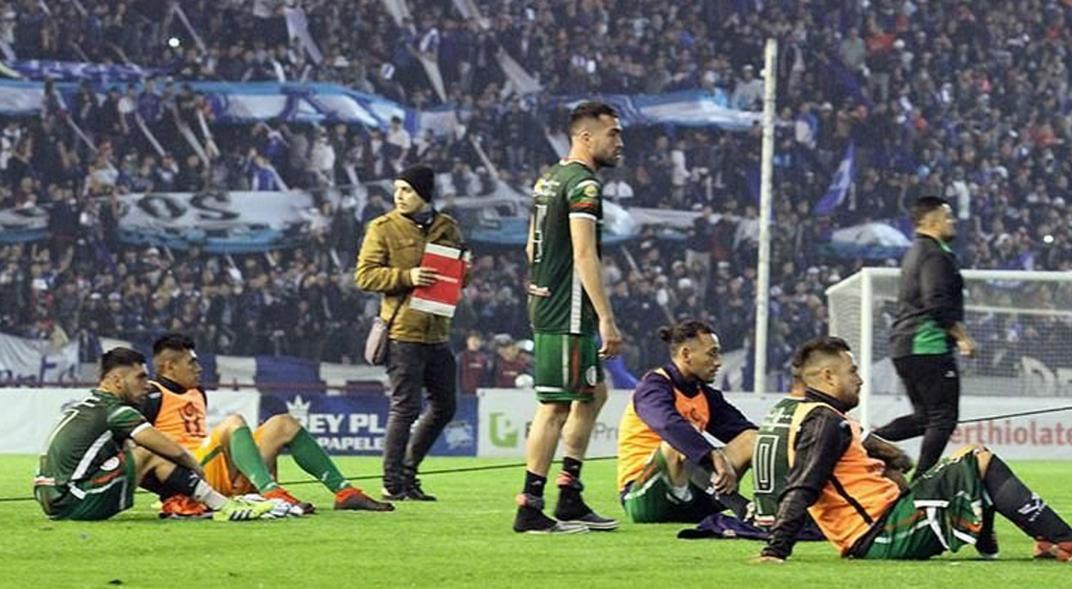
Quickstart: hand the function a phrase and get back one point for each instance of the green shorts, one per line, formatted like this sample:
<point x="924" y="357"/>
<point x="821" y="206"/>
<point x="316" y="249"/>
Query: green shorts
<point x="648" y="499"/>
<point x="567" y="367"/>
<point x="942" y="510"/>
<point x="107" y="492"/>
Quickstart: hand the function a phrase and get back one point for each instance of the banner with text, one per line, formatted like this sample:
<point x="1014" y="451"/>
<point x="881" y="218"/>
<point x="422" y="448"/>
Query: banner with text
<point x="27" y="361"/>
<point x="30" y="413"/>
<point x="357" y="424"/>
<point x="505" y="416"/>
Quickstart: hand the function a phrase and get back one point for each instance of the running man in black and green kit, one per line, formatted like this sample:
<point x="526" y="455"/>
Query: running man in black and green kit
<point x="569" y="308"/>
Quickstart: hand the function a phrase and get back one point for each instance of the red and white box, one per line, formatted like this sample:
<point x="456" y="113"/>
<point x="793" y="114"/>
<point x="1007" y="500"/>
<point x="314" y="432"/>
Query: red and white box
<point x="442" y="296"/>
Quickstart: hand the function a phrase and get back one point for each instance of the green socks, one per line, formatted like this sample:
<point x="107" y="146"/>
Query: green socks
<point x="315" y="461"/>
<point x="247" y="458"/>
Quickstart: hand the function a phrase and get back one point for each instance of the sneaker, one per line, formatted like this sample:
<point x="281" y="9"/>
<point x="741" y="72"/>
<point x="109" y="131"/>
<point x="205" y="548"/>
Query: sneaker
<point x="282" y="494"/>
<point x="183" y="507"/>
<point x="1062" y="551"/>
<point x="415" y="493"/>
<point x="350" y="498"/>
<point x="530" y="519"/>
<point x="239" y="509"/>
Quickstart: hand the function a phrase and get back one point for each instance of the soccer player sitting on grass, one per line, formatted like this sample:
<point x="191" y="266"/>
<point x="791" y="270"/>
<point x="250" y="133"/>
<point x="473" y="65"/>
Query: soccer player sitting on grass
<point x="236" y="461"/>
<point x="666" y="460"/>
<point x="90" y="468"/>
<point x="810" y="458"/>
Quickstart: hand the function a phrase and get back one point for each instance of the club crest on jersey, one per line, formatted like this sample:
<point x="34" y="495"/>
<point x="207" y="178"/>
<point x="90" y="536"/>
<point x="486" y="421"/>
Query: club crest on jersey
<point x="591" y="191"/>
<point x="590" y="376"/>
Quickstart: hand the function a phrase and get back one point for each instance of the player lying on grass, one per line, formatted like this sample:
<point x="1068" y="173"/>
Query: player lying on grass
<point x="91" y="467"/>
<point x="236" y="461"/>
<point x="667" y="463"/>
<point x="810" y="459"/>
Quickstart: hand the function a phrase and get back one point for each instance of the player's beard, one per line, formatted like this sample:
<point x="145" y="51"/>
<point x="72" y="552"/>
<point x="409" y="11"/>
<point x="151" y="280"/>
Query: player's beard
<point x="608" y="160"/>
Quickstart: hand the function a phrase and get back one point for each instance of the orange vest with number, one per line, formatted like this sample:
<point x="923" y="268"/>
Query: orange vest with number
<point x="182" y="416"/>
<point x="637" y="441"/>
<point x="856" y="495"/>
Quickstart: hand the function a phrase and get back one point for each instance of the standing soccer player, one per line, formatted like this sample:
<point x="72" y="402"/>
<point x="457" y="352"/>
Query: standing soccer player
<point x="928" y="327"/>
<point x="568" y="306"/>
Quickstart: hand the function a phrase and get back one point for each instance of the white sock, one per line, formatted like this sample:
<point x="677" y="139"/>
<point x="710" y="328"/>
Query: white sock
<point x="207" y="495"/>
<point x="682" y="493"/>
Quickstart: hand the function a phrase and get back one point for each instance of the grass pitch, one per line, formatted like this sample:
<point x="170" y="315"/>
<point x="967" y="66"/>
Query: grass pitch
<point x="463" y="540"/>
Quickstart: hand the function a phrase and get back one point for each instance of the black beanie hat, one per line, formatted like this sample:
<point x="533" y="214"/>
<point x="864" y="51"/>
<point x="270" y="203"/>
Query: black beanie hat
<point x="422" y="179"/>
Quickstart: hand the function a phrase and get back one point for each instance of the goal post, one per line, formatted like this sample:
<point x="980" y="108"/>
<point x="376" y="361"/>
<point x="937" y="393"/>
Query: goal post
<point x="1021" y="321"/>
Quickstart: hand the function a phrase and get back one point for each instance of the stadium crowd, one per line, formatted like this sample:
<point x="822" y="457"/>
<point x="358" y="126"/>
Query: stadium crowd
<point x="964" y="100"/>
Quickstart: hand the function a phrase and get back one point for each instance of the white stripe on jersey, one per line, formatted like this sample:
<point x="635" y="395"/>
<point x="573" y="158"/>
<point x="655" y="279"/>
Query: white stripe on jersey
<point x="71" y="414"/>
<point x="584" y="216"/>
<point x="91" y="453"/>
<point x="576" y="296"/>
<point x="123" y="408"/>
<point x="564" y="379"/>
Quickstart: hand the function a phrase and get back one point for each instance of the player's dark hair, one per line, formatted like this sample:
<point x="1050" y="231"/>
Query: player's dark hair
<point x="827" y="345"/>
<point x="589" y="110"/>
<point x="923" y="206"/>
<point x="119" y="357"/>
<point x="173" y="341"/>
<point x="678" y="334"/>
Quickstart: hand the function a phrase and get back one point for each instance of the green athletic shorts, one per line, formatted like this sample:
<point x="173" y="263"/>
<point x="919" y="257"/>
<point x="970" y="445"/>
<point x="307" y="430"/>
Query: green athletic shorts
<point x="942" y="510"/>
<point x="107" y="492"/>
<point x="648" y="499"/>
<point x="567" y="367"/>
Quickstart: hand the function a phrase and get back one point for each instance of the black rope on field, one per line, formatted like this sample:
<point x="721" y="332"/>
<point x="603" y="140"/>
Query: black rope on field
<point x="513" y="465"/>
<point x="1020" y="414"/>
<point x="369" y="477"/>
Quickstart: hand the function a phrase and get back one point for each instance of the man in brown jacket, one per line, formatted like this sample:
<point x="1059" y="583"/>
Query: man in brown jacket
<point x="418" y="355"/>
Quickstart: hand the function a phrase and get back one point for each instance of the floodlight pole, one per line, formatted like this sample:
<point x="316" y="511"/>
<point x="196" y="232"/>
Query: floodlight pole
<point x="766" y="171"/>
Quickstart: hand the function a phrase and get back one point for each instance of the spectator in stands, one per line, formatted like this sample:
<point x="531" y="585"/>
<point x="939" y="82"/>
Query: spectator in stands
<point x="474" y="364"/>
<point x="509" y="363"/>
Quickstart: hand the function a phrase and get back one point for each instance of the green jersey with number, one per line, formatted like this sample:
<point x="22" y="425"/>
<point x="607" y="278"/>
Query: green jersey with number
<point x="88" y="434"/>
<point x="770" y="459"/>
<point x="557" y="301"/>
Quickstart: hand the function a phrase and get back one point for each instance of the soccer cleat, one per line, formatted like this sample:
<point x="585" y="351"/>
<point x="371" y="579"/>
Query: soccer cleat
<point x="239" y="509"/>
<point x="281" y="508"/>
<point x="592" y="521"/>
<point x="183" y="507"/>
<point x="282" y="494"/>
<point x="353" y="499"/>
<point x="571" y="508"/>
<point x="1062" y="551"/>
<point x="530" y="519"/>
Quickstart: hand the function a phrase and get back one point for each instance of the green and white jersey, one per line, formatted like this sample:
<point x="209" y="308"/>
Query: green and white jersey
<point x="87" y="435"/>
<point x="557" y="301"/>
<point x="770" y="459"/>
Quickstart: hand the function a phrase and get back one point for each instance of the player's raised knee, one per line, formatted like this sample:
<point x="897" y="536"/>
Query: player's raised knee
<point x="284" y="424"/>
<point x="233" y="422"/>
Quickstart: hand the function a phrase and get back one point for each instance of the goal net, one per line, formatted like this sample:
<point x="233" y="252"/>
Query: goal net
<point x="1020" y="320"/>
